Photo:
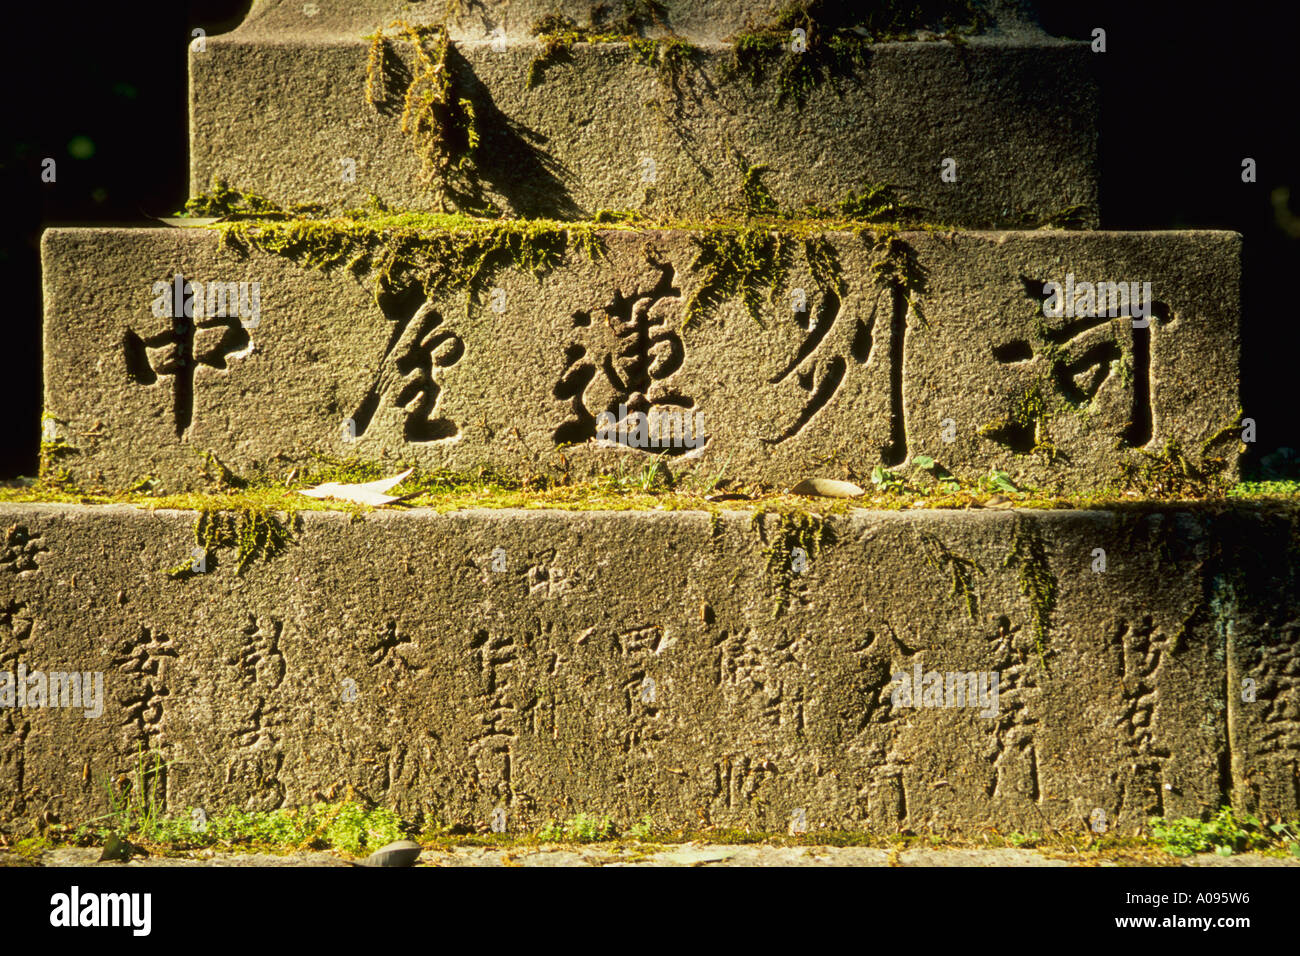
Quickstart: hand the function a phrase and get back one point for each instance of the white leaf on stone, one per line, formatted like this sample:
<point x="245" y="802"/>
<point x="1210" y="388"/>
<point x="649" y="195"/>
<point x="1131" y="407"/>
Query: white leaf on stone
<point x="188" y="222"/>
<point x="826" y="488"/>
<point x="367" y="493"/>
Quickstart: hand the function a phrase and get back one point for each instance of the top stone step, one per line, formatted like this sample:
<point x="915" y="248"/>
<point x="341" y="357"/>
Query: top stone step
<point x="329" y="103"/>
<point x="702" y="21"/>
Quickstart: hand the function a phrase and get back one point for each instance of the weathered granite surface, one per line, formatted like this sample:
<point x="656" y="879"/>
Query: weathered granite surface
<point x="517" y="376"/>
<point x="288" y="117"/>
<point x="478" y="19"/>
<point x="632" y="663"/>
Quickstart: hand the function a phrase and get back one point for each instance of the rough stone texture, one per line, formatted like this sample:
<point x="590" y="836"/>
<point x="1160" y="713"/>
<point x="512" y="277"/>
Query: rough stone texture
<point x="477" y="19"/>
<point x="819" y="393"/>
<point x="1018" y="117"/>
<point x="691" y="854"/>
<point x="526" y="689"/>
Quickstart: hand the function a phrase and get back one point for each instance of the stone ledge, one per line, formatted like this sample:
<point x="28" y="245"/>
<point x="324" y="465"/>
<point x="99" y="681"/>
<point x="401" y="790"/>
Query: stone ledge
<point x="694" y="19"/>
<point x="667" y="663"/>
<point x="1018" y="119"/>
<point x="918" y="344"/>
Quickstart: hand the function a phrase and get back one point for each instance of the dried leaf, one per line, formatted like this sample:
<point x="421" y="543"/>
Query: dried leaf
<point x="367" y="493"/>
<point x="826" y="488"/>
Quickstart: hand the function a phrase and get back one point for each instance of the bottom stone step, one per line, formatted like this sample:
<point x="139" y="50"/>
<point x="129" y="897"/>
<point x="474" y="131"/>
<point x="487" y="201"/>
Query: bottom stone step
<point x="883" y="670"/>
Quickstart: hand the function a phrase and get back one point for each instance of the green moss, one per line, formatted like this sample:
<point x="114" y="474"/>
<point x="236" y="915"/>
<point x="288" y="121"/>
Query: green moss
<point x="757" y="198"/>
<point x="1026" y="428"/>
<point x="795" y="528"/>
<point x="1028" y="556"/>
<point x="226" y="201"/>
<point x="555" y="50"/>
<point x="838" y="35"/>
<point x="439" y="253"/>
<point x="1170" y="473"/>
<point x="256" y="533"/>
<point x="961" y="570"/>
<point x="742" y="263"/>
<point x="895" y="267"/>
<point x="877" y="204"/>
<point x="54" y="451"/>
<point x="824" y="265"/>
<point x="439" y="120"/>
<point x="607" y="216"/>
<point x="670" y="56"/>
<point x="1076" y="216"/>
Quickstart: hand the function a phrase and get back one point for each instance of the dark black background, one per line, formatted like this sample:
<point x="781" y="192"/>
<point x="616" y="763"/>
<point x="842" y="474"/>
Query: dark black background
<point x="1186" y="96"/>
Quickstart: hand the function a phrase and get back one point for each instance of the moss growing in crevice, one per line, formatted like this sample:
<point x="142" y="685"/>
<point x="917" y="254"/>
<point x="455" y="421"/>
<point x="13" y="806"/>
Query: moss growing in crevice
<point x="555" y="49"/>
<point x="753" y="262"/>
<point x="877" y="204"/>
<point x="895" y="267"/>
<point x="1025" y="430"/>
<point x="1170" y="473"/>
<point x="54" y="450"/>
<point x="227" y="202"/>
<point x="961" y="570"/>
<point x="755" y="195"/>
<point x="669" y="56"/>
<point x="1028" y="556"/>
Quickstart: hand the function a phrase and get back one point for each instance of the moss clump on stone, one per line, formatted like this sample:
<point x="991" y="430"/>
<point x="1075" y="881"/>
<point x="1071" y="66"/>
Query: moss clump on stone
<point x="878" y="203"/>
<point x="804" y="530"/>
<point x="896" y="267"/>
<point x="439" y="253"/>
<point x="752" y="262"/>
<point x="670" y="56"/>
<point x="439" y="120"/>
<point x="256" y="533"/>
<point x="835" y="38"/>
<point x="739" y="263"/>
<point x="227" y="202"/>
<point x="961" y="570"/>
<point x="824" y="265"/>
<point x="54" y="449"/>
<point x="1025" y="428"/>
<point x="757" y="198"/>
<point x="1028" y="556"/>
<point x="1170" y="473"/>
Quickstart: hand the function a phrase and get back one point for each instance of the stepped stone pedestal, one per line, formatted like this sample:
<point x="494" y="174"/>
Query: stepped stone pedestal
<point x="750" y="283"/>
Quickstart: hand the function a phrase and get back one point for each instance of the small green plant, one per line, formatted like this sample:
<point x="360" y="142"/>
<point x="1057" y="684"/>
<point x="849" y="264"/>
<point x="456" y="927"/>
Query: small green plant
<point x="135" y="799"/>
<point x="1224" y="833"/>
<point x="885" y="480"/>
<point x="1289" y="834"/>
<point x="1001" y="481"/>
<point x="1025" y="840"/>
<point x="643" y="830"/>
<point x="355" y="829"/>
<point x="583" y="828"/>
<point x="946" y="480"/>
